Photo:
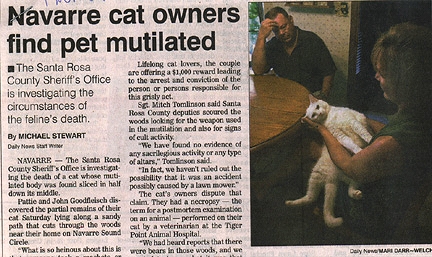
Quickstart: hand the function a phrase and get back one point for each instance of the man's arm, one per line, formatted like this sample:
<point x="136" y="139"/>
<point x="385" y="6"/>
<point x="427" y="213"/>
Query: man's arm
<point x="259" y="62"/>
<point x="326" y="67"/>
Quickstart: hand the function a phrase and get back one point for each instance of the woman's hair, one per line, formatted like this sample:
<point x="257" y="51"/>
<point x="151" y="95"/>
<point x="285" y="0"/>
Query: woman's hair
<point x="404" y="56"/>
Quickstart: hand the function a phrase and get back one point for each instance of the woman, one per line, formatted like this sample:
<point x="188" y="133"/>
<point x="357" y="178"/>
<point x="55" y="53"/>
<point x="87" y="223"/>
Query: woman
<point x="397" y="161"/>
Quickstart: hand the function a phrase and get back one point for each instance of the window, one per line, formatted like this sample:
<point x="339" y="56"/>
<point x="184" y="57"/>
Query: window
<point x="255" y="17"/>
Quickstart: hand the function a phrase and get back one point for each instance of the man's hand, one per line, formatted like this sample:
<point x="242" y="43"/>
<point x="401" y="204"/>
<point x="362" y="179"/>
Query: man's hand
<point x="321" y="95"/>
<point x="266" y="28"/>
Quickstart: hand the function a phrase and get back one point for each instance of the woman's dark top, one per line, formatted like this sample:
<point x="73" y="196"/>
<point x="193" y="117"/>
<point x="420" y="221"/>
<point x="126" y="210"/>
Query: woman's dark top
<point x="386" y="201"/>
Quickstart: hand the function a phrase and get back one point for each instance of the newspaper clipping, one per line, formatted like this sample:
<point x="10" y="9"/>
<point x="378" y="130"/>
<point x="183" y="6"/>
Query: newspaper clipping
<point x="128" y="130"/>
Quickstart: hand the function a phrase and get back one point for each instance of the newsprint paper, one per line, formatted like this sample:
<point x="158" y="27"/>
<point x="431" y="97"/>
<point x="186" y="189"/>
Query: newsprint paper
<point x="125" y="132"/>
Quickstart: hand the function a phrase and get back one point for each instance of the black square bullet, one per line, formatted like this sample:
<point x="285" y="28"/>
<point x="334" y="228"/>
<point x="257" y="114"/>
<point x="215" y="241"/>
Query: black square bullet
<point x="11" y="68"/>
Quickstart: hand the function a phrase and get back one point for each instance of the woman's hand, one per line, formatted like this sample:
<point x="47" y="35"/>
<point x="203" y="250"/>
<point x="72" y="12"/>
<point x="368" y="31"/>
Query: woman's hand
<point x="312" y="124"/>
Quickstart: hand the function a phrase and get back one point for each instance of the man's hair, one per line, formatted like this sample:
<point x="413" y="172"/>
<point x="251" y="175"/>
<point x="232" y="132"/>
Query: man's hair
<point x="273" y="12"/>
<point x="404" y="55"/>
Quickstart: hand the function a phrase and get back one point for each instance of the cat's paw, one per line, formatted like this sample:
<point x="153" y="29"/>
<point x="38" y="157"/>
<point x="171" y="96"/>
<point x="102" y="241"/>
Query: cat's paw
<point x="356" y="150"/>
<point x="332" y="222"/>
<point x="289" y="203"/>
<point x="305" y="200"/>
<point x="299" y="202"/>
<point x="356" y="194"/>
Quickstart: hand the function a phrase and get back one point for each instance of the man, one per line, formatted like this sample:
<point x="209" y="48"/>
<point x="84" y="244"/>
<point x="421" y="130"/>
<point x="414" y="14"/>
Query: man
<point x="293" y="53"/>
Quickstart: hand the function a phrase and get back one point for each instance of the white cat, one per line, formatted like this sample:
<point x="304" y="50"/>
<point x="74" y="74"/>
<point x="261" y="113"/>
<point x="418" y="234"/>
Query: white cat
<point x="349" y="127"/>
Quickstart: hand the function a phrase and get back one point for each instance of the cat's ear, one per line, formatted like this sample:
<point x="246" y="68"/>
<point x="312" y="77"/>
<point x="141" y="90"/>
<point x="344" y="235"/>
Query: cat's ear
<point x="312" y="99"/>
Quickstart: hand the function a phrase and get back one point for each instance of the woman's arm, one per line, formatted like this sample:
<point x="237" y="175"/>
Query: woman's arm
<point x="380" y="159"/>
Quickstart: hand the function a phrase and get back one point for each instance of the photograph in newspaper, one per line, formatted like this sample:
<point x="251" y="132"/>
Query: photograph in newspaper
<point x="341" y="176"/>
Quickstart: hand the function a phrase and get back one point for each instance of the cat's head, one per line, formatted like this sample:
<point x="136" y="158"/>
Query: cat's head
<point x="317" y="110"/>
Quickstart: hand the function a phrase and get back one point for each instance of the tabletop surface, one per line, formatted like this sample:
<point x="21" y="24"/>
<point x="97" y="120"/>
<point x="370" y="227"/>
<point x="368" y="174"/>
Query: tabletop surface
<point x="276" y="106"/>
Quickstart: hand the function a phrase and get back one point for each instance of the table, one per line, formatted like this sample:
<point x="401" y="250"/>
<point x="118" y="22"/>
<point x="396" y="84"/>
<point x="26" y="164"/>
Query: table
<point x="276" y="107"/>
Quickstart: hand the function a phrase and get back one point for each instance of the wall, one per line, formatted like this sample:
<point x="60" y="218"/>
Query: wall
<point x="335" y="31"/>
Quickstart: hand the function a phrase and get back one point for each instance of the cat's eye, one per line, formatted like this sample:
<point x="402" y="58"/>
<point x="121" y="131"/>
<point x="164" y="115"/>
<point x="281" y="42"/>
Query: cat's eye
<point x="314" y="115"/>
<point x="317" y="107"/>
